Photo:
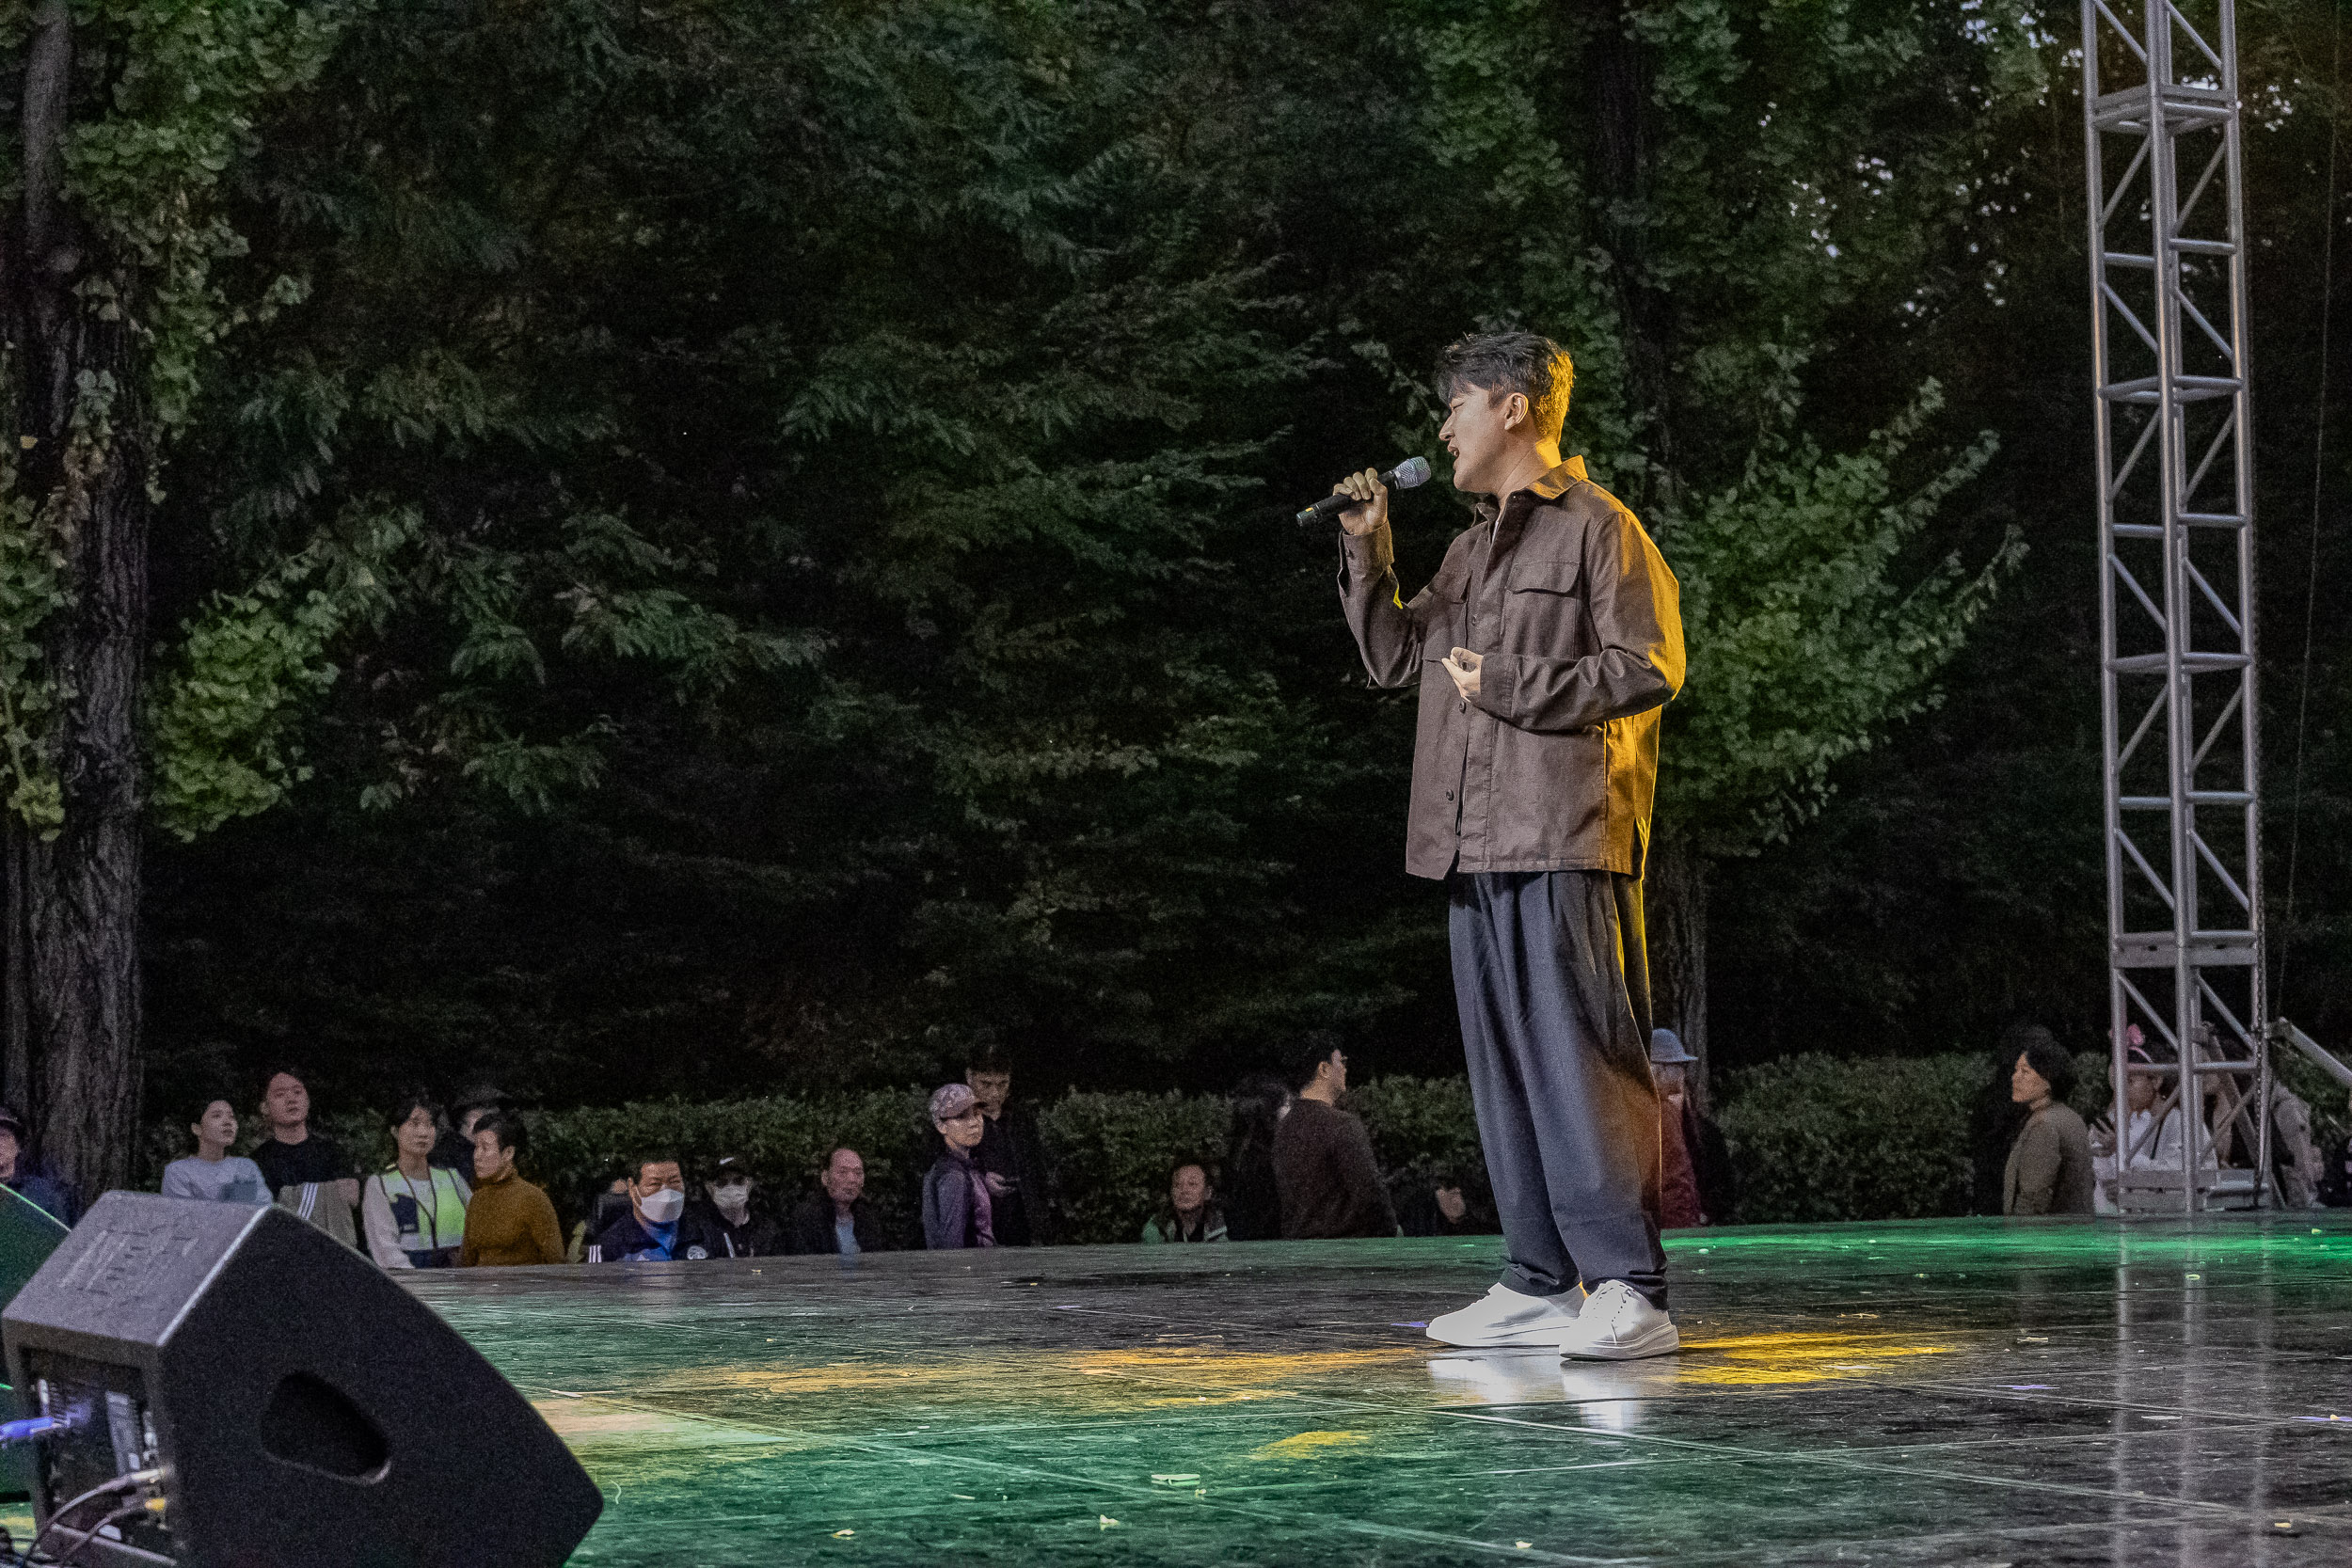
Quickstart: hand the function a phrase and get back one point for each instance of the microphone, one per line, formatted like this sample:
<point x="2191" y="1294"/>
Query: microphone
<point x="1412" y="471"/>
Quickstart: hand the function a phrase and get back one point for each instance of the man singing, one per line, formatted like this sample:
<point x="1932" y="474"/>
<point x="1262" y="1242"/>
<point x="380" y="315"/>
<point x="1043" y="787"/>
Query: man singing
<point x="1544" y="648"/>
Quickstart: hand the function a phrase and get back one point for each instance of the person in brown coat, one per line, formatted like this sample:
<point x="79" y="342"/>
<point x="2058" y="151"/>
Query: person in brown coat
<point x="1543" y="648"/>
<point x="2049" y="1164"/>
<point x="1322" y="1165"/>
<point x="510" y="1221"/>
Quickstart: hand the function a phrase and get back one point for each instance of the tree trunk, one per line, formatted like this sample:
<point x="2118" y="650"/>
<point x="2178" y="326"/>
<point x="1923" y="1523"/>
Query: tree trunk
<point x="1622" y="92"/>
<point x="71" y="928"/>
<point x="1675" y="894"/>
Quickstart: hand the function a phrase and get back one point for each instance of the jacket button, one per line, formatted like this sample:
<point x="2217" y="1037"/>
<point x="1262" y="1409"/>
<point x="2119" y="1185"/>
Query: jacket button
<point x="1449" y="795"/>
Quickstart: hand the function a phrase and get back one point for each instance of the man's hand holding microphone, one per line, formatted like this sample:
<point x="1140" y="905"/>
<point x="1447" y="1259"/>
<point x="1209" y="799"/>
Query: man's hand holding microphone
<point x="1369" y="516"/>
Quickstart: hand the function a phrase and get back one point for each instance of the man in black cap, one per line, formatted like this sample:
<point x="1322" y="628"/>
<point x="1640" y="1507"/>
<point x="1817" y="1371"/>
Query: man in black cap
<point x="455" y="1152"/>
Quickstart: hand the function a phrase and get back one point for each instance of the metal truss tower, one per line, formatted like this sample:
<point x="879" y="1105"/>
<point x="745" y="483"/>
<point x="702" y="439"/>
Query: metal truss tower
<point x="2176" y="593"/>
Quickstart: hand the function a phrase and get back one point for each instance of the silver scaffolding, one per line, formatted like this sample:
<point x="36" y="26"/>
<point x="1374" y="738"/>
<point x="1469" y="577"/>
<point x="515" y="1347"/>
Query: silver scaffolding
<point x="2176" y="600"/>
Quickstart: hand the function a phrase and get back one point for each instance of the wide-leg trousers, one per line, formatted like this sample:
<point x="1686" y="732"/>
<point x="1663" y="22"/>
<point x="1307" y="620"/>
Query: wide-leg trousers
<point x="1552" y="972"/>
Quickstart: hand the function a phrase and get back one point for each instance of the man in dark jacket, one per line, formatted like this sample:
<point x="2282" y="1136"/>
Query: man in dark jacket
<point x="746" y="1229"/>
<point x="834" y="1218"/>
<point x="1323" y="1162"/>
<point x="1012" y="1156"/>
<point x="660" y="1226"/>
<point x="1544" y="648"/>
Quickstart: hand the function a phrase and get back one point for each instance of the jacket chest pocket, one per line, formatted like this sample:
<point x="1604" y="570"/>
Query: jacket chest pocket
<point x="1542" y="609"/>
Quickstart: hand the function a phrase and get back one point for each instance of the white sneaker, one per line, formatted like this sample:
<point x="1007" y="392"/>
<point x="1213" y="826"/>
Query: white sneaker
<point x="1504" y="1317"/>
<point x="1618" y="1323"/>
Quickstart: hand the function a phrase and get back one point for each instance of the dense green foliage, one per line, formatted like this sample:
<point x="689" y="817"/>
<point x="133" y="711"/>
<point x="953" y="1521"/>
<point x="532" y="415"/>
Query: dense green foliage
<point x="730" y="546"/>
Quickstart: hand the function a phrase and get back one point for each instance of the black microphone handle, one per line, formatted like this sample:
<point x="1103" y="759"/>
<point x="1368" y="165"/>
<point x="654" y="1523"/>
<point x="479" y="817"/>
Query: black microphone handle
<point x="1339" y="501"/>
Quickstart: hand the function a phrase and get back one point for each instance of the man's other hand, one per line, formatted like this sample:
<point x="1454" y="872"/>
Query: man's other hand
<point x="1365" y="487"/>
<point x="1463" y="666"/>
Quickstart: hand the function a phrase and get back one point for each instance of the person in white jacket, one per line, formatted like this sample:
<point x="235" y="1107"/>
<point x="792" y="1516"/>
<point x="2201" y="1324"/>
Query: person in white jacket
<point x="414" y="1214"/>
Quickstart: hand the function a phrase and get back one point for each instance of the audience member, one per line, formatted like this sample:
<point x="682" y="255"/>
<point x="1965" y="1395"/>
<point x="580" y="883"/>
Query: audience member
<point x="1253" y="1206"/>
<point x="414" y="1214"/>
<point x="2049" y="1165"/>
<point x="743" y="1230"/>
<point x="834" y="1217"/>
<point x="957" y="1207"/>
<point x="1012" y="1156"/>
<point x="453" y="1150"/>
<point x="212" y="1174"/>
<point x="510" y="1221"/>
<point x="1331" y="1185"/>
<point x="309" y="1171"/>
<point x="24" y="1176"/>
<point x="1696" y="1183"/>
<point x="1448" y="1205"/>
<point x="1993" y="1124"/>
<point x="660" y="1227"/>
<point x="1190" y="1213"/>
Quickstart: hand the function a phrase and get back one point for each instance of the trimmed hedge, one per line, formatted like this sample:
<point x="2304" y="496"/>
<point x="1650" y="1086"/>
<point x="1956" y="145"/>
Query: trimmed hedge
<point x="1816" y="1137"/>
<point x="1813" y="1137"/>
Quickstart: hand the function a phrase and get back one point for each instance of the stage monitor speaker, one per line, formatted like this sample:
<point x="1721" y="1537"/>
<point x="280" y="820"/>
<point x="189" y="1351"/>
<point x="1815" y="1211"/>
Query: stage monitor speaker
<point x="303" y="1411"/>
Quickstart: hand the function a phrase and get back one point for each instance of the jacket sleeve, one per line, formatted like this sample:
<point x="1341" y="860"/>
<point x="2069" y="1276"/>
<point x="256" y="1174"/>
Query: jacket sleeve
<point x="946" y="1206"/>
<point x="1359" y="1174"/>
<point x="546" y="1237"/>
<point x="375" y="1218"/>
<point x="2038" y="1152"/>
<point x="1392" y="634"/>
<point x="1636" y="611"/>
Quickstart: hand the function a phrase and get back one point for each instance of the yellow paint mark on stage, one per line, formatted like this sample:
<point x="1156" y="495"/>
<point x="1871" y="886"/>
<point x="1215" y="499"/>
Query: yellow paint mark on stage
<point x="1755" y="1359"/>
<point x="1306" y="1444"/>
<point x="1195" y="1375"/>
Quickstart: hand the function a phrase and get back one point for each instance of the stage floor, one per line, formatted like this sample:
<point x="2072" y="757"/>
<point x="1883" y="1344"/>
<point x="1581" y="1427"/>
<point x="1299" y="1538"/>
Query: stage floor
<point x="1964" y="1392"/>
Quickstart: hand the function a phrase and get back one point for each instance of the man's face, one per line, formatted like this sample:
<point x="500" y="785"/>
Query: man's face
<point x="1480" y="432"/>
<point x="489" y="1160"/>
<point x="1189" y="1192"/>
<point x="845" y="1177"/>
<point x="655" y="1175"/>
<point x="473" y="1113"/>
<point x="1339" y="1071"/>
<point x="992" y="1089"/>
<point x="2140" y="1090"/>
<point x="1668" y="1077"/>
<point x="286" y="1102"/>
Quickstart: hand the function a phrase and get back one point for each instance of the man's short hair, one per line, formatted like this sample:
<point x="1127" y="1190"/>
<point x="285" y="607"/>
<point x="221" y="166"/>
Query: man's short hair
<point x="1310" y="1051"/>
<point x="657" y="1157"/>
<point x="1523" y="362"/>
<point x="987" y="1054"/>
<point x="508" y="1129"/>
<point x="285" y="1070"/>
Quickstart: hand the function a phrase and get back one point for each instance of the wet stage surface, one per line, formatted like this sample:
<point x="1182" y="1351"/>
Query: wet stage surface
<point x="2170" y="1393"/>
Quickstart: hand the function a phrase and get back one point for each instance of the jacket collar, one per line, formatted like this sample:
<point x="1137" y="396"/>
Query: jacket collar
<point x="1548" y="488"/>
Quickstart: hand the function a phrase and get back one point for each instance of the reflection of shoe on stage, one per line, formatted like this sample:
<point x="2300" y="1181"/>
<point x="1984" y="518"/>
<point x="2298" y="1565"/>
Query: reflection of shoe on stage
<point x="1618" y="1323"/>
<point x="1526" y="1376"/>
<point x="1504" y="1317"/>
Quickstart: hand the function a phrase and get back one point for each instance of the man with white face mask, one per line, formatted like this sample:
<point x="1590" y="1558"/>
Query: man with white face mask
<point x="743" y="1231"/>
<point x="658" y="1227"/>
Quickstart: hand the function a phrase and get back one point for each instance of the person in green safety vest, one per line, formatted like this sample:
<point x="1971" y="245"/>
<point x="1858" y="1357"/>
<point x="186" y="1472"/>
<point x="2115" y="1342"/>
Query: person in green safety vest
<point x="415" y="1213"/>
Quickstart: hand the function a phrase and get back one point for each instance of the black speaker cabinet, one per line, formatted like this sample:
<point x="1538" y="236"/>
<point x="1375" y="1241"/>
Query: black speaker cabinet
<point x="303" y="1408"/>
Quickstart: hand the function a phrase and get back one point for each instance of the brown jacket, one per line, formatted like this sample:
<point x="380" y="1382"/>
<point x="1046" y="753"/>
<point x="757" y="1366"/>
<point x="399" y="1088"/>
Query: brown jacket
<point x="1323" y="1168"/>
<point x="510" y="1222"/>
<point x="1554" y="765"/>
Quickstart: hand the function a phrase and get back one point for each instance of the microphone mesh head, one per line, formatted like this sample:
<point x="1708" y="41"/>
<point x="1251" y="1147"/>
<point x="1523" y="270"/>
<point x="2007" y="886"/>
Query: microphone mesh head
<point x="1412" y="471"/>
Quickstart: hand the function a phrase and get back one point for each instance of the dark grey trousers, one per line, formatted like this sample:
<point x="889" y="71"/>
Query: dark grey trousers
<point x="1552" y="975"/>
